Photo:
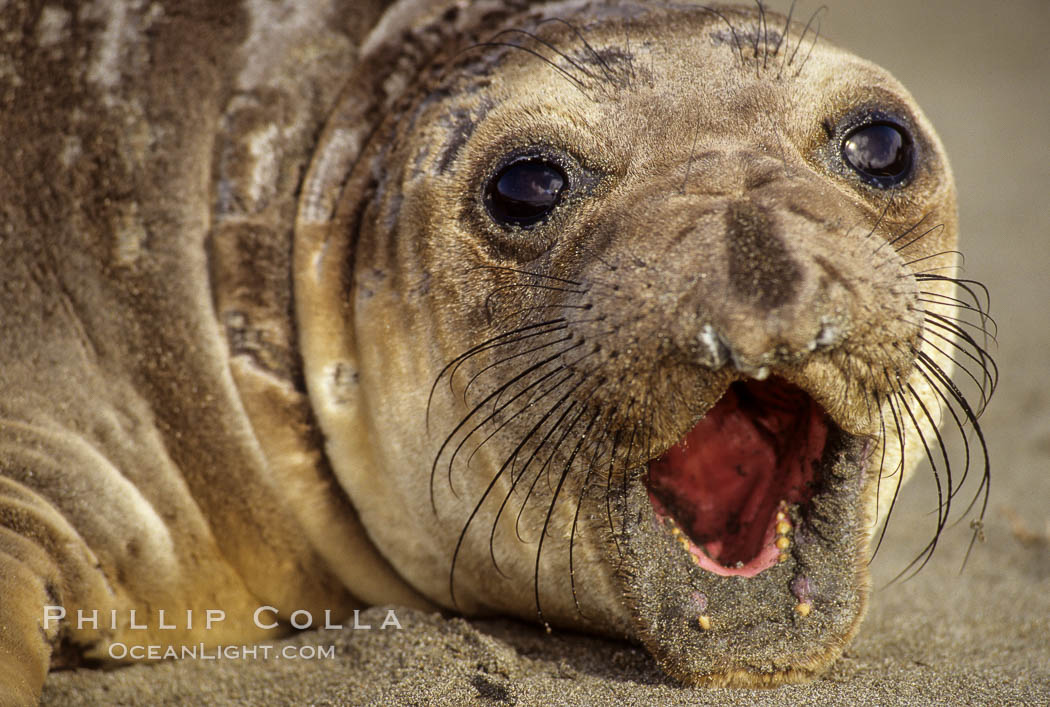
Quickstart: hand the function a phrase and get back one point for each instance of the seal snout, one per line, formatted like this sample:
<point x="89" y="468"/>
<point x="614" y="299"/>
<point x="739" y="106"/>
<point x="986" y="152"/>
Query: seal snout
<point x="762" y="272"/>
<point x="780" y="305"/>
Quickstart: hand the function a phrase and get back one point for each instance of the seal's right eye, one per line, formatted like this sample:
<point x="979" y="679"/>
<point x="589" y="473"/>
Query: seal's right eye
<point x="524" y="192"/>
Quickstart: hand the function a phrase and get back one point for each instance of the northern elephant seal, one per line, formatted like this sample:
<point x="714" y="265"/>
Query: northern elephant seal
<point x="618" y="314"/>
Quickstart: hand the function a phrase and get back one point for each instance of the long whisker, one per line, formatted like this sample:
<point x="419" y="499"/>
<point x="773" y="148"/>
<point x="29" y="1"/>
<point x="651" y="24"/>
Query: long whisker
<point x="732" y="29"/>
<point x="554" y="449"/>
<point x="946" y="301"/>
<point x="591" y="466"/>
<point x="579" y="85"/>
<point x="942" y="511"/>
<point x="985" y="393"/>
<point x="932" y="256"/>
<point x="921" y="367"/>
<point x="511" y="357"/>
<point x="500" y="340"/>
<point x="497" y="407"/>
<point x="963" y="284"/>
<point x="899" y="471"/>
<point x="606" y="69"/>
<point x="492" y="483"/>
<point x="971" y="417"/>
<point x="550" y="512"/>
<point x="515" y="478"/>
<point x="572" y="62"/>
<point x="816" y="38"/>
<point x="528" y="371"/>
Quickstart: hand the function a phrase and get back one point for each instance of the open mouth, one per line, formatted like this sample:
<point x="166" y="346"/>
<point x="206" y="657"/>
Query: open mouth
<point x="751" y="531"/>
<point x="724" y="491"/>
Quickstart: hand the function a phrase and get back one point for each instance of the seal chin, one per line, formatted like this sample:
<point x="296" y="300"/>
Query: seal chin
<point x="750" y="533"/>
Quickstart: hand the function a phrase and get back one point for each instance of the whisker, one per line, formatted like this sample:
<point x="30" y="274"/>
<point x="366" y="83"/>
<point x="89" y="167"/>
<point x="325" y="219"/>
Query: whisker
<point x="932" y="256"/>
<point x="882" y="465"/>
<point x="899" y="471"/>
<point x="943" y="450"/>
<point x="971" y="350"/>
<point x="495" y="413"/>
<point x="953" y="302"/>
<point x="606" y="69"/>
<point x="985" y="392"/>
<point x="955" y="321"/>
<point x="523" y="285"/>
<point x="497" y="408"/>
<point x="971" y="417"/>
<point x="921" y="367"/>
<point x="608" y="487"/>
<point x="963" y="284"/>
<point x="572" y="62"/>
<point x="927" y="552"/>
<point x="554" y="450"/>
<point x="528" y="371"/>
<point x="579" y="85"/>
<point x="732" y="30"/>
<point x="816" y="38"/>
<point x="913" y="241"/>
<point x="550" y="512"/>
<point x="492" y="483"/>
<point x="787" y="26"/>
<point x="481" y="347"/>
<point x="511" y="357"/>
<point x="591" y="466"/>
<point x="764" y="29"/>
<point x="519" y="314"/>
<point x="893" y="241"/>
<point x="542" y="276"/>
<point x="569" y="373"/>
<point x="515" y="478"/>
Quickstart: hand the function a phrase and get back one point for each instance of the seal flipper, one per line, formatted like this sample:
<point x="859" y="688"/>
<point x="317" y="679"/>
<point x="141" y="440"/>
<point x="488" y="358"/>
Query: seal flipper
<point x="35" y="542"/>
<point x="24" y="651"/>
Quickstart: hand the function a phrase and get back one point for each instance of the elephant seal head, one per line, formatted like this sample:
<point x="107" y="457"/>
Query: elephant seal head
<point x="631" y="316"/>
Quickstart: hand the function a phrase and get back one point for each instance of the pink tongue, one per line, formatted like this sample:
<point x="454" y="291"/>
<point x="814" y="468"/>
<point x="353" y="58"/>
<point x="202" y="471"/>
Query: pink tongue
<point x="724" y="482"/>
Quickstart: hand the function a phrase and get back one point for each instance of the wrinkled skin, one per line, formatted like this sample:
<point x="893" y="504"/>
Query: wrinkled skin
<point x="271" y="345"/>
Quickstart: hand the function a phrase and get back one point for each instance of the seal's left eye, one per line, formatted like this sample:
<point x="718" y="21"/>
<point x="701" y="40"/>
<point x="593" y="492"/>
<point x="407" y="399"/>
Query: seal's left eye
<point x="524" y="192"/>
<point x="881" y="153"/>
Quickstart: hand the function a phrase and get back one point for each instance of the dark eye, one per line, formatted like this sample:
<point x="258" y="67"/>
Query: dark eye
<point x="881" y="153"/>
<point x="524" y="192"/>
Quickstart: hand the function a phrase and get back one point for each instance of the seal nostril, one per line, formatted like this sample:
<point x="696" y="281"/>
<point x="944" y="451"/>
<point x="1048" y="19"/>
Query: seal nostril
<point x="714" y="352"/>
<point x="829" y="335"/>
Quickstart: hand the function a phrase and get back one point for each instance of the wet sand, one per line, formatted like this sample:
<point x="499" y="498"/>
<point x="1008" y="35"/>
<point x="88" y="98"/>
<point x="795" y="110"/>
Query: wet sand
<point x="979" y="69"/>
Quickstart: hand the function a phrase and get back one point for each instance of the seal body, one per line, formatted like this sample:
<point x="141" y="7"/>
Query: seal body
<point x="616" y="314"/>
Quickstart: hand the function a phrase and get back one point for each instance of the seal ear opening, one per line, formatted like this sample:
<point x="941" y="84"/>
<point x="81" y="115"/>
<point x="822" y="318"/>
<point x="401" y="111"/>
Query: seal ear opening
<point x="726" y="485"/>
